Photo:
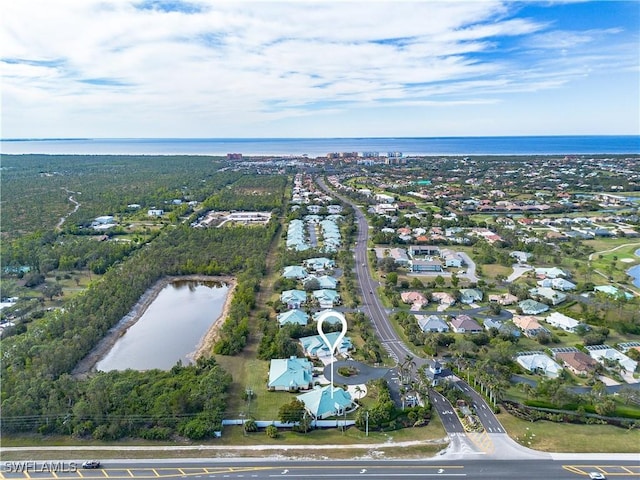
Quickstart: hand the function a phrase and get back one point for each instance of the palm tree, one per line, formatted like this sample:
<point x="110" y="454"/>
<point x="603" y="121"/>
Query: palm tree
<point x="407" y="365"/>
<point x="358" y="389"/>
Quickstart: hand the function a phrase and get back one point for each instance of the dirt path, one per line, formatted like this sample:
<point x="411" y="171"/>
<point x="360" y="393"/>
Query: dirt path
<point x="88" y="363"/>
<point x="75" y="208"/>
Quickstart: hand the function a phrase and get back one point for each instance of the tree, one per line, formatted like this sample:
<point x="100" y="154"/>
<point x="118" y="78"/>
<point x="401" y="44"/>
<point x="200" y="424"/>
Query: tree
<point x="271" y="431"/>
<point x="292" y="412"/>
<point x="392" y="279"/>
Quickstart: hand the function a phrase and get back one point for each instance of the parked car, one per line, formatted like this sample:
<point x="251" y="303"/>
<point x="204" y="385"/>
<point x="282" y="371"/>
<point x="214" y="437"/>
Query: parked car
<point x="91" y="464"/>
<point x="597" y="476"/>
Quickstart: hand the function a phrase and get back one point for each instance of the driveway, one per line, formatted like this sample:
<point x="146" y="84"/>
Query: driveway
<point x="518" y="270"/>
<point x="365" y="373"/>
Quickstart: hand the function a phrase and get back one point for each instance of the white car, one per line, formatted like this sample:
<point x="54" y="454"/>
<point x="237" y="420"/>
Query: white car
<point x="597" y="476"/>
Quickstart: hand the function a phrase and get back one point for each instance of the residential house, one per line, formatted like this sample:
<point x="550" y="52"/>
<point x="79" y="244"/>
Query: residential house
<point x="443" y="298"/>
<point x="155" y="212"/>
<point x="553" y="272"/>
<point x="576" y="361"/>
<point x="326" y="298"/>
<point x="470" y="295"/>
<point x="295" y="272"/>
<point x="413" y="298"/>
<point x="290" y="374"/>
<point x="538" y="362"/>
<point x="293" y="298"/>
<point x="564" y="322"/>
<point x="433" y="265"/>
<point x="320" y="264"/>
<point x="503" y="299"/>
<point x="557" y="284"/>
<point x="502" y="327"/>
<point x="465" y="324"/>
<point x="429" y="250"/>
<point x="451" y="258"/>
<point x="432" y="324"/>
<point x="293" y="317"/>
<point x="548" y="294"/>
<point x="399" y="256"/>
<point x="321" y="403"/>
<point x="612" y="291"/>
<point x="531" y="307"/>
<point x="602" y="353"/>
<point x="332" y="317"/>
<point x="314" y="346"/>
<point x="521" y="257"/>
<point x="324" y="281"/>
<point x="529" y="325"/>
<point x="434" y="372"/>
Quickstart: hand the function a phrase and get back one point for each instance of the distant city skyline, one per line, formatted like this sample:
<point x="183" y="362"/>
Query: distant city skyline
<point x="172" y="68"/>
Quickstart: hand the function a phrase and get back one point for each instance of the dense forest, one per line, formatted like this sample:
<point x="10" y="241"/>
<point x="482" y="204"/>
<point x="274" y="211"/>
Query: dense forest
<point x="38" y="392"/>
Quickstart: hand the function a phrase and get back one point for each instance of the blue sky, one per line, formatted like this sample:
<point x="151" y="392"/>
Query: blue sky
<point x="172" y="68"/>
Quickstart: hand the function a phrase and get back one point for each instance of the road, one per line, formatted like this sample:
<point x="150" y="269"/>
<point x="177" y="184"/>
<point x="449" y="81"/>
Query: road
<point x="378" y="469"/>
<point x="494" y="441"/>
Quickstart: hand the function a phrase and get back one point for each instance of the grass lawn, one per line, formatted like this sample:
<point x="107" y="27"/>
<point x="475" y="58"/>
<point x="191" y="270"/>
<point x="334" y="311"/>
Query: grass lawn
<point x="493" y="270"/>
<point x="433" y="438"/>
<point x="566" y="437"/>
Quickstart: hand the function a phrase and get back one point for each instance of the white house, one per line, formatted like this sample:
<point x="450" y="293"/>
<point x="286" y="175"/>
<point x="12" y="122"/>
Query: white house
<point x="538" y="362"/>
<point x="559" y="320"/>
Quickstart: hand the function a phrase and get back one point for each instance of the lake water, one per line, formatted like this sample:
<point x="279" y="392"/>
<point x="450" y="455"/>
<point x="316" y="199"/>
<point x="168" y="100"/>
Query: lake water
<point x="635" y="272"/>
<point x="170" y="329"/>
<point x="316" y="147"/>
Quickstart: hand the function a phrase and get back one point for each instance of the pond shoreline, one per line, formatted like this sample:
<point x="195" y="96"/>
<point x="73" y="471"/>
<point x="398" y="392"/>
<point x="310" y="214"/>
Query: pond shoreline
<point x="88" y="364"/>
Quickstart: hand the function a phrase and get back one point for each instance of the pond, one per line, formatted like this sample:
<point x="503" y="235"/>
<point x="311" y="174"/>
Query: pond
<point x="634" y="272"/>
<point x="170" y="329"/>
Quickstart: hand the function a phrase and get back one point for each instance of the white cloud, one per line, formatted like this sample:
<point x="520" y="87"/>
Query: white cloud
<point x="95" y="68"/>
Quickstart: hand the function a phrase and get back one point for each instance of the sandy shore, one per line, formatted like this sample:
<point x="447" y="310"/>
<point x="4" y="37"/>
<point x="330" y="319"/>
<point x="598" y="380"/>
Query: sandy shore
<point x="206" y="343"/>
<point x="88" y="363"/>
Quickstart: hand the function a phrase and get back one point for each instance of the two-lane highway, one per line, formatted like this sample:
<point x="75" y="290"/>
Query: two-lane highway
<point x="362" y="469"/>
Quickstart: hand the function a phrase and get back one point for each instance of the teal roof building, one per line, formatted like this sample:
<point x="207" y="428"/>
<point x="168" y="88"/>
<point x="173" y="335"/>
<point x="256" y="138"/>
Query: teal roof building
<point x="321" y="404"/>
<point x="290" y="374"/>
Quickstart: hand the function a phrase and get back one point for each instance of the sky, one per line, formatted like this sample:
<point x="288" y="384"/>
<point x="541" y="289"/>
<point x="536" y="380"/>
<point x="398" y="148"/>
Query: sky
<point x="203" y="68"/>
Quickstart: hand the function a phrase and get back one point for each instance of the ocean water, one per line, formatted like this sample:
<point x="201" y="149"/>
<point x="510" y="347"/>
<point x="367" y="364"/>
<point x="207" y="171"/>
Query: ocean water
<point x="316" y="147"/>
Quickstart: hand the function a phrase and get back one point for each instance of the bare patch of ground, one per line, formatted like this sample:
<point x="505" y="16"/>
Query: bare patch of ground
<point x="88" y="363"/>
